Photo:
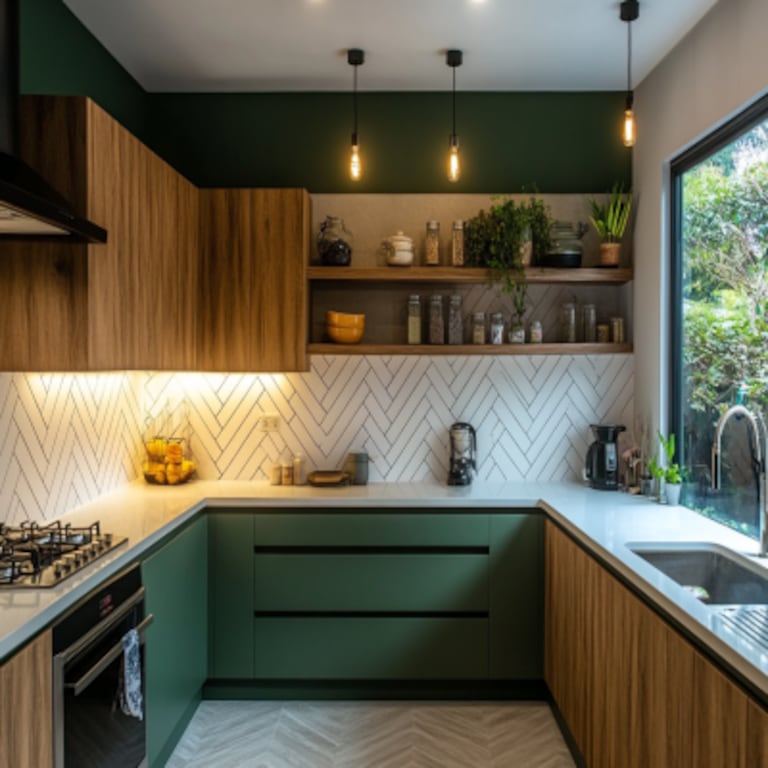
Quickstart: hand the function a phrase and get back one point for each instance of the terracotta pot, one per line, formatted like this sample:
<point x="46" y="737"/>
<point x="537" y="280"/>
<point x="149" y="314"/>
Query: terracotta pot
<point x="609" y="254"/>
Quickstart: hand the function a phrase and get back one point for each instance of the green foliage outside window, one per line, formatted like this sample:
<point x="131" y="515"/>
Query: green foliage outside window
<point x="725" y="304"/>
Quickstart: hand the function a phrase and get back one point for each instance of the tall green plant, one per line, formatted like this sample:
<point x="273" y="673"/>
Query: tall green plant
<point x="493" y="239"/>
<point x="610" y="218"/>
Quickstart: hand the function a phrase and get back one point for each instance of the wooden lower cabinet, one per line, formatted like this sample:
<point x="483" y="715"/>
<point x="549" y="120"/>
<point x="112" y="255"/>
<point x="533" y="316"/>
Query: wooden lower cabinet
<point x="375" y="595"/>
<point x="175" y="579"/>
<point x="632" y="690"/>
<point x="26" y="706"/>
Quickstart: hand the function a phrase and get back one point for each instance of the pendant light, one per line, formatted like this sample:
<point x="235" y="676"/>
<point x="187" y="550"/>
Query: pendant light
<point x="453" y="59"/>
<point x="355" y="57"/>
<point x="629" y="11"/>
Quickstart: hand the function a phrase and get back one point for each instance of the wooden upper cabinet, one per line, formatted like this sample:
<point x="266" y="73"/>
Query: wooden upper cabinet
<point x="143" y="283"/>
<point x="127" y="304"/>
<point x="253" y="279"/>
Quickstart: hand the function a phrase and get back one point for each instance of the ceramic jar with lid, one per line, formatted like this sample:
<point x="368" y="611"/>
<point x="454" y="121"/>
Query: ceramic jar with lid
<point x="398" y="249"/>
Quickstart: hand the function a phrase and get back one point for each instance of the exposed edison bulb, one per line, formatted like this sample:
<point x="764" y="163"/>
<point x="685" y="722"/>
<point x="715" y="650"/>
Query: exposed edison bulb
<point x="454" y="164"/>
<point x="629" y="134"/>
<point x="355" y="167"/>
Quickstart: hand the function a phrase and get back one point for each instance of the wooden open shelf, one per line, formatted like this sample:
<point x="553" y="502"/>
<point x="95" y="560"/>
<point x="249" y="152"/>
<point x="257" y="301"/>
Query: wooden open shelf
<point x="467" y="349"/>
<point x="533" y="275"/>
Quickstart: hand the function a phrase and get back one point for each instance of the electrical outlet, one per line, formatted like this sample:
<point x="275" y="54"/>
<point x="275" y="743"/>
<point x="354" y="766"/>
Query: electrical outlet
<point x="269" y="423"/>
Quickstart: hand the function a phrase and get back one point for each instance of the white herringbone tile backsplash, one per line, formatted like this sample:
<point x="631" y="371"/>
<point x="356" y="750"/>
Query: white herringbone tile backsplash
<point x="66" y="439"/>
<point x="532" y="413"/>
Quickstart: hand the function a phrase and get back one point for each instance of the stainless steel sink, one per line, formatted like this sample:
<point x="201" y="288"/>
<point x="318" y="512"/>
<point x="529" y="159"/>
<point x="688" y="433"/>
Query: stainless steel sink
<point x="714" y="574"/>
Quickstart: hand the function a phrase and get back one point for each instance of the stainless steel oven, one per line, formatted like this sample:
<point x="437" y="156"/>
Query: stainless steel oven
<point x="90" y="728"/>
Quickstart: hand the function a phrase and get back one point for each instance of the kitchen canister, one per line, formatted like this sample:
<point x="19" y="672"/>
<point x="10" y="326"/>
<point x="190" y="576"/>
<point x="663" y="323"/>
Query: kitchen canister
<point x="356" y="466"/>
<point x="568" y="323"/>
<point x="414" y="319"/>
<point x="432" y="244"/>
<point x="436" y="320"/>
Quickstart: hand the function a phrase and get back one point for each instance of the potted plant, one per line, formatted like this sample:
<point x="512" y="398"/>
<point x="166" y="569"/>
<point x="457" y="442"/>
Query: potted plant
<point x="656" y="471"/>
<point x="505" y="239"/>
<point x="673" y="480"/>
<point x="610" y="220"/>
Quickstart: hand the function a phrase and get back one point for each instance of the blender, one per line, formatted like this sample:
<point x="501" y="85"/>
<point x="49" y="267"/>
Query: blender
<point x="463" y="453"/>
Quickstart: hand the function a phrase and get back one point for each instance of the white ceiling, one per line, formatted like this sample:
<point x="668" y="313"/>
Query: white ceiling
<point x="300" y="45"/>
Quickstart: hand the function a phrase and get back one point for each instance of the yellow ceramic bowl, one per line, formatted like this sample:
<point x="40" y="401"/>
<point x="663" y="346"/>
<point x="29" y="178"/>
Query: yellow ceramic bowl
<point x="345" y="320"/>
<point x="342" y="335"/>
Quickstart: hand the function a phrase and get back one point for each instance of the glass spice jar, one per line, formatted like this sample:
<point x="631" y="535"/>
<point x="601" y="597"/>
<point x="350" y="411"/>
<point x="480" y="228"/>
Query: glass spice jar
<point x="457" y="244"/>
<point x="497" y="328"/>
<point x="516" y="333"/>
<point x="436" y="322"/>
<point x="414" y="319"/>
<point x="536" y="333"/>
<point x="568" y="323"/>
<point x="478" y="328"/>
<point x="590" y="323"/>
<point x="432" y="244"/>
<point x="455" y="323"/>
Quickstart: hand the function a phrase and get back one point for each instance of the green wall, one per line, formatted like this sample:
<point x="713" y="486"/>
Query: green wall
<point x="60" y="56"/>
<point x="550" y="142"/>
<point x="554" y="142"/>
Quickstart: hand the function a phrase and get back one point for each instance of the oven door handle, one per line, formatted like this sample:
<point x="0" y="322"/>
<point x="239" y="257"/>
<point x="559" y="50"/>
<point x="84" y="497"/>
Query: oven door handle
<point x="78" y="686"/>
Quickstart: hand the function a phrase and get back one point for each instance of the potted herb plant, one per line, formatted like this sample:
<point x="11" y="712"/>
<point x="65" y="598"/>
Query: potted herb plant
<point x="610" y="221"/>
<point x="673" y="480"/>
<point x="503" y="239"/>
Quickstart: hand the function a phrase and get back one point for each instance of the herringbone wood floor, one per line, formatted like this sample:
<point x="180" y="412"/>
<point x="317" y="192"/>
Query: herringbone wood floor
<point x="247" y="734"/>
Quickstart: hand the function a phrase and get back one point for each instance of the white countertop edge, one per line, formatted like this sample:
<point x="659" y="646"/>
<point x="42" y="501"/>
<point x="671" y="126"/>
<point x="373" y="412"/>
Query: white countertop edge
<point x="602" y="522"/>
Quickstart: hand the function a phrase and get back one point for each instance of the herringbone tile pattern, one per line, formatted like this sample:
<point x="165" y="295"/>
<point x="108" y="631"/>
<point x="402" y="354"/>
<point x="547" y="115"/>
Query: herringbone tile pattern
<point x="532" y="413"/>
<point x="247" y="734"/>
<point x="66" y="439"/>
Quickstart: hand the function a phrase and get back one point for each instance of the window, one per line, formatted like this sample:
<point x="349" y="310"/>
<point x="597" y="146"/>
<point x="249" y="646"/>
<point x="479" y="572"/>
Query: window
<point x="720" y="312"/>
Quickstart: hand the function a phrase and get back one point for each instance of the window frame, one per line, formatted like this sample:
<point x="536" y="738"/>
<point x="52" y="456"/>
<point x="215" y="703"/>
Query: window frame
<point x="720" y="137"/>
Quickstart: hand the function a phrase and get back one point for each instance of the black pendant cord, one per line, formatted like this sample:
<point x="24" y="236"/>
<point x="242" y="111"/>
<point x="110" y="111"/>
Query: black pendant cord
<point x="354" y="104"/>
<point x="629" y="64"/>
<point x="453" y="134"/>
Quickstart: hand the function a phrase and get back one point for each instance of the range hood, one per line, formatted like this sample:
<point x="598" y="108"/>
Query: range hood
<point x="29" y="206"/>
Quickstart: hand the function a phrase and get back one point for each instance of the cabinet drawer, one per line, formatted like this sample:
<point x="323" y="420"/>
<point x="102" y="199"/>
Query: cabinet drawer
<point x="371" y="582"/>
<point x="371" y="648"/>
<point x="384" y="528"/>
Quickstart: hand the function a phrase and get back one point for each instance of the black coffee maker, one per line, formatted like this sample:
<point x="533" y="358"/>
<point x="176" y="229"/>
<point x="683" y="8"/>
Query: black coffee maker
<point x="463" y="453"/>
<point x="602" y="465"/>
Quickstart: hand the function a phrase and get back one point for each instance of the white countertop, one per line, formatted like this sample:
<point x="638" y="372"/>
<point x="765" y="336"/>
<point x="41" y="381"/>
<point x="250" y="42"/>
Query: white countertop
<point x="604" y="521"/>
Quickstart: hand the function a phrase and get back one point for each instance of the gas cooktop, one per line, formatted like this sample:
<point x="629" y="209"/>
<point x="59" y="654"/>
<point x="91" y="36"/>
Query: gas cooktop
<point x="33" y="555"/>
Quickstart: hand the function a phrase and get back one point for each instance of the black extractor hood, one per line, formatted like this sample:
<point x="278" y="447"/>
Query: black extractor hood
<point x="29" y="207"/>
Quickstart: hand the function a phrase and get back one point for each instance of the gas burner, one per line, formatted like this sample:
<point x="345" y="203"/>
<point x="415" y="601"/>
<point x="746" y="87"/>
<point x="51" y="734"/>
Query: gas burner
<point x="33" y="555"/>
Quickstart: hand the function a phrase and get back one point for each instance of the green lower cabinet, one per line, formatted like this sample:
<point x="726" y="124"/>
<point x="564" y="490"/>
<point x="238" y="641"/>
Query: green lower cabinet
<point x="517" y="596"/>
<point x="371" y="648"/>
<point x="297" y="595"/>
<point x="230" y="595"/>
<point x="175" y="580"/>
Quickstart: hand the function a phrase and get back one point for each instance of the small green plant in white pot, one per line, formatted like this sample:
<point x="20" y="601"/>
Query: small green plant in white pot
<point x="673" y="481"/>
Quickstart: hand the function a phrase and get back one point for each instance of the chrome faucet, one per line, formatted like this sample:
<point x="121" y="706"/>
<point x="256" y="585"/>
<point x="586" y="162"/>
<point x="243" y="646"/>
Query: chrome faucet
<point x="762" y="488"/>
